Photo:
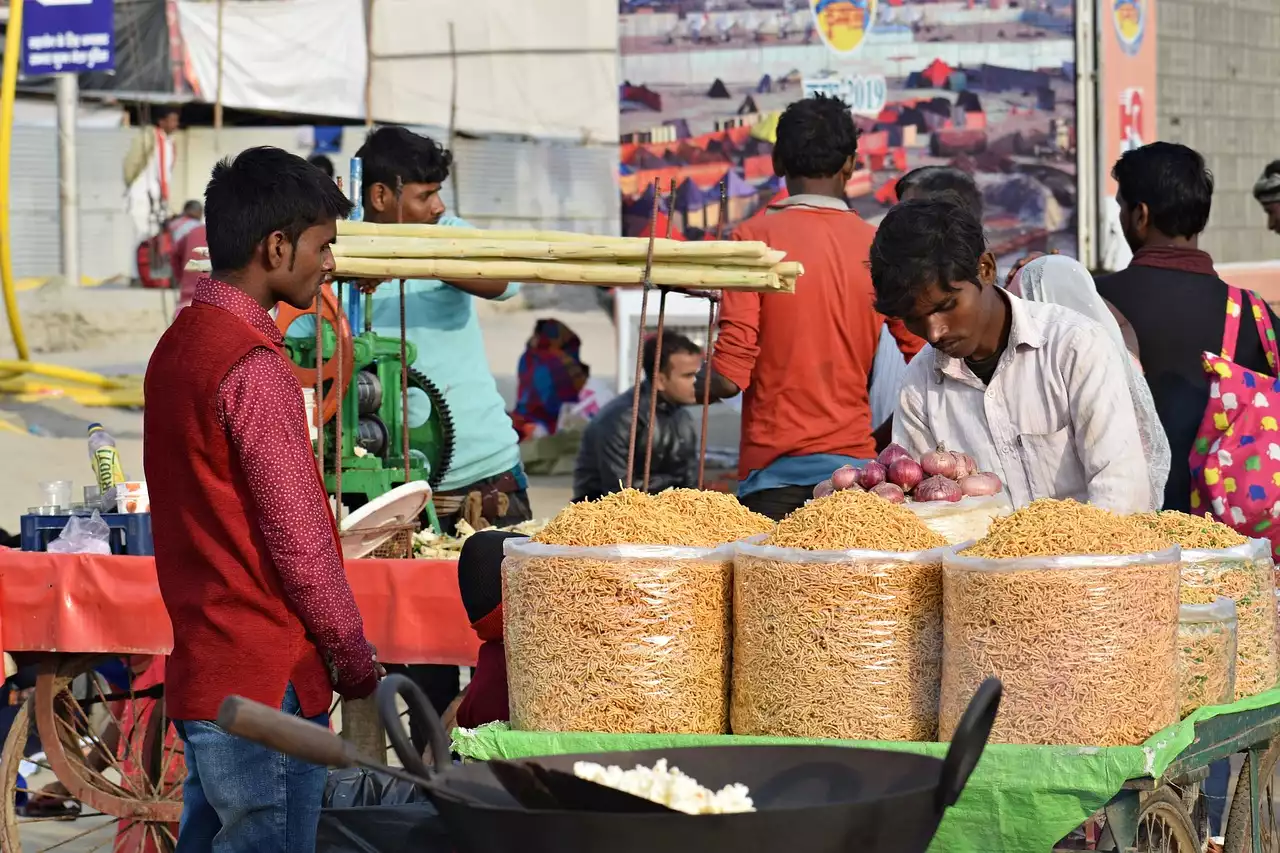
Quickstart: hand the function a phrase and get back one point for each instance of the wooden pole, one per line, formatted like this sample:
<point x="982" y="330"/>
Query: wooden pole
<point x="453" y="116"/>
<point x="368" y="66"/>
<point x="217" y="104"/>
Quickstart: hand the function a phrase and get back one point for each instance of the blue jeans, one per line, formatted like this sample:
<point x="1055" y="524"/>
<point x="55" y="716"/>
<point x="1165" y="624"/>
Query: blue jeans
<point x="240" y="797"/>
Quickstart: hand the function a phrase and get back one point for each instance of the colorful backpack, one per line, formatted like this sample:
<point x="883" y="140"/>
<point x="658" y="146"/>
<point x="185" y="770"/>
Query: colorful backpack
<point x="1235" y="462"/>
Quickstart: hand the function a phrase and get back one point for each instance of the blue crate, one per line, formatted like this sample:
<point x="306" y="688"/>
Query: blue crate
<point x="130" y="532"/>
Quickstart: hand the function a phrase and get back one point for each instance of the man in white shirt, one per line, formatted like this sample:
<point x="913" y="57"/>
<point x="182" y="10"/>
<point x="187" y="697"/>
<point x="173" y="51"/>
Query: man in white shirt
<point x="148" y="174"/>
<point x="1035" y="392"/>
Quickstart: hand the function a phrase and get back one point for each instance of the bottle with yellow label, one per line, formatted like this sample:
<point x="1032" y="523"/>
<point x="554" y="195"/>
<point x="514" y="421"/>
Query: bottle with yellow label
<point x="105" y="458"/>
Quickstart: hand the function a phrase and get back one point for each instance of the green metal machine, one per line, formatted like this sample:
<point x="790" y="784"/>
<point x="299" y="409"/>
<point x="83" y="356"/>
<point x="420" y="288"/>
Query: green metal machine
<point x="373" y="423"/>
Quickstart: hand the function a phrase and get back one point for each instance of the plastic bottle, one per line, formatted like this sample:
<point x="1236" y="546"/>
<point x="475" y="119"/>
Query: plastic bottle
<point x="105" y="458"/>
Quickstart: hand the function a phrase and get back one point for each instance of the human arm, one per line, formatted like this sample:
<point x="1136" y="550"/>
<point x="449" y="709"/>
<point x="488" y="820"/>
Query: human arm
<point x="910" y="423"/>
<point x="737" y="347"/>
<point x="498" y="291"/>
<point x="1105" y="427"/>
<point x="262" y="411"/>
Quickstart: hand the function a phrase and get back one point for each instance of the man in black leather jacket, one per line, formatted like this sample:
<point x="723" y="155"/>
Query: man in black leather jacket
<point x="602" y="459"/>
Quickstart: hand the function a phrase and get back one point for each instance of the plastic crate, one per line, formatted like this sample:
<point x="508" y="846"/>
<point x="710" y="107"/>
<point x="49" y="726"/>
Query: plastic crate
<point x="130" y="532"/>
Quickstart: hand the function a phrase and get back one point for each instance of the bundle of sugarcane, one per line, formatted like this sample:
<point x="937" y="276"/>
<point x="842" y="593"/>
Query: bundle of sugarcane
<point x="371" y="251"/>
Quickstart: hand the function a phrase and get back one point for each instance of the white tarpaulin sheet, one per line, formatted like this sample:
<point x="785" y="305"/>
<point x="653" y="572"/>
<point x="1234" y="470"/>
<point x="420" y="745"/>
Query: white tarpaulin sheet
<point x="293" y="56"/>
<point x="543" y="68"/>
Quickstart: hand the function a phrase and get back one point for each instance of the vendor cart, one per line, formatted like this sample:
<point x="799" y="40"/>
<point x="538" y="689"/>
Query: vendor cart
<point x="1033" y="799"/>
<point x="96" y="631"/>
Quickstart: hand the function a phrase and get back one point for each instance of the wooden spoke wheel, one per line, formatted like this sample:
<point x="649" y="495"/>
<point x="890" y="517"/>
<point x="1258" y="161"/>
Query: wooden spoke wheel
<point x="1239" y="829"/>
<point x="332" y="316"/>
<point x="1164" y="825"/>
<point x="116" y="758"/>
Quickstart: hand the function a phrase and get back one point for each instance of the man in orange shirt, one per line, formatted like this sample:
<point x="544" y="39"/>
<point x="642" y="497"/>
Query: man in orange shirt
<point x="804" y="360"/>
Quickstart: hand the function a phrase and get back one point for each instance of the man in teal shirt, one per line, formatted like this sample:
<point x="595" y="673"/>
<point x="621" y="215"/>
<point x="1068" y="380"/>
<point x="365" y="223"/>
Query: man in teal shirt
<point x="484" y="480"/>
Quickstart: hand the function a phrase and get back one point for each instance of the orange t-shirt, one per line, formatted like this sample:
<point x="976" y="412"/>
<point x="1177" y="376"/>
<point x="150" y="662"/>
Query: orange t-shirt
<point x="804" y="360"/>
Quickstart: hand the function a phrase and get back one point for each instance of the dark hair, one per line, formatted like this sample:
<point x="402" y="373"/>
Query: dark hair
<point x="1273" y="168"/>
<point x="672" y="344"/>
<point x="395" y="152"/>
<point x="934" y="181"/>
<point x="1172" y="181"/>
<point x="193" y="208"/>
<point x="260" y="191"/>
<point x="322" y="163"/>
<point x="815" y="137"/>
<point x="920" y="243"/>
<point x="162" y="113"/>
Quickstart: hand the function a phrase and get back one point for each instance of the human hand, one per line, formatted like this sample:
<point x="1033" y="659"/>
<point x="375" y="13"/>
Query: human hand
<point x="368" y="285"/>
<point x="1022" y="263"/>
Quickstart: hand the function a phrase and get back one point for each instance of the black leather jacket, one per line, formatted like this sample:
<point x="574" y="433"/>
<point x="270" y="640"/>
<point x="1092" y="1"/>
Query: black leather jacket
<point x="602" y="458"/>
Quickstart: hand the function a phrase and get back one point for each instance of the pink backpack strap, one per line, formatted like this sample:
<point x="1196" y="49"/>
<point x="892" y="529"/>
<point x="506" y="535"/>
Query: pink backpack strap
<point x="1266" y="333"/>
<point x="1231" y="330"/>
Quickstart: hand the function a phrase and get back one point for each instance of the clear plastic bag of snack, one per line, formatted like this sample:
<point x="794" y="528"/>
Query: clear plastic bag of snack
<point x="1244" y="574"/>
<point x="836" y="644"/>
<point x="964" y="520"/>
<point x="1206" y="654"/>
<point x="1086" y="646"/>
<point x="621" y="639"/>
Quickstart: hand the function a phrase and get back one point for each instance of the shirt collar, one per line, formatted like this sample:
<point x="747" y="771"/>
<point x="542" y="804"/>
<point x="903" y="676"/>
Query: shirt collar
<point x="1025" y="331"/>
<point x="824" y="202"/>
<point x="237" y="303"/>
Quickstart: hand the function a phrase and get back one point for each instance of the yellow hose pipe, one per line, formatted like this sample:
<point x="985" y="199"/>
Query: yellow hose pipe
<point x="8" y="86"/>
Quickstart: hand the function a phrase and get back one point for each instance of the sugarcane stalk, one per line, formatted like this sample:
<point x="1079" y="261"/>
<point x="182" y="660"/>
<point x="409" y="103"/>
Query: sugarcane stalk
<point x="750" y="254"/>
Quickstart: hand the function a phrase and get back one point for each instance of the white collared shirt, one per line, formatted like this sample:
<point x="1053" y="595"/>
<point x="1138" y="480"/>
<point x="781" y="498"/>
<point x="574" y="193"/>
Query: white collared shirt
<point x="1056" y="421"/>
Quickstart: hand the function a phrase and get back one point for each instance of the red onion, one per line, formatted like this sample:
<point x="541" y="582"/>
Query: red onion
<point x="941" y="462"/>
<point x="823" y="489"/>
<point x="981" y="485"/>
<point x="845" y="478"/>
<point x="906" y="473"/>
<point x="892" y="454"/>
<point x="938" y="488"/>
<point x="965" y="465"/>
<point x="872" y="475"/>
<point x="889" y="492"/>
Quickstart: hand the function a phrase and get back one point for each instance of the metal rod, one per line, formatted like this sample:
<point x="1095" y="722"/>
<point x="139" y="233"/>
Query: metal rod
<point x="338" y="450"/>
<point x="453" y="116"/>
<point x="319" y="407"/>
<point x="404" y="356"/>
<point x="68" y="96"/>
<point x="713" y="302"/>
<point x="646" y="286"/>
<point x="657" y="349"/>
<point x="724" y="204"/>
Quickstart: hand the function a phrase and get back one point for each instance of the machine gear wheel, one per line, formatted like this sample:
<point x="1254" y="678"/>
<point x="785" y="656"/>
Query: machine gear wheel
<point x="436" y="433"/>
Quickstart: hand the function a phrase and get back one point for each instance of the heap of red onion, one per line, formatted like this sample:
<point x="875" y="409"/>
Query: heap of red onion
<point x="940" y="475"/>
<point x="938" y="488"/>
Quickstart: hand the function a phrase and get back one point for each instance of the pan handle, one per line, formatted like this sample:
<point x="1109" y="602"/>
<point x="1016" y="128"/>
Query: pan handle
<point x="420" y="713"/>
<point x="293" y="736"/>
<point x="967" y="743"/>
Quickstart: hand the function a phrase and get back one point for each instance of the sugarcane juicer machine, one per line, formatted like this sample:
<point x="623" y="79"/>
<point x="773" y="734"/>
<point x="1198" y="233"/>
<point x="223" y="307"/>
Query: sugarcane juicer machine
<point x="360" y="380"/>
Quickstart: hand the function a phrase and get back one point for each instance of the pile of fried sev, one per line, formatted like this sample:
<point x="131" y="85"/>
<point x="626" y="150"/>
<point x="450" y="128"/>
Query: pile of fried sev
<point x="830" y="645"/>
<point x="608" y="629"/>
<point x="1229" y="564"/>
<point x="1086" y="648"/>
<point x="1206" y="655"/>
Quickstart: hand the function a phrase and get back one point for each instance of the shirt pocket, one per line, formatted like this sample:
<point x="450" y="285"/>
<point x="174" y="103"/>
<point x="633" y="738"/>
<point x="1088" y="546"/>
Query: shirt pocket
<point x="1051" y="465"/>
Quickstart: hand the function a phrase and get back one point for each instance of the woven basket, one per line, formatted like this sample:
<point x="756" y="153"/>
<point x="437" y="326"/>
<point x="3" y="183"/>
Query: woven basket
<point x="399" y="546"/>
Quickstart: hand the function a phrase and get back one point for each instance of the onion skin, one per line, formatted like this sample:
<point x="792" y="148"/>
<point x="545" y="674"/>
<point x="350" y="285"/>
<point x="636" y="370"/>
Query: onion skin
<point x="964" y="466"/>
<point x="892" y="454"/>
<point x="872" y="475"/>
<point x="845" y="478"/>
<point x="938" y="488"/>
<point x="893" y="494"/>
<point x="941" y="463"/>
<point x="823" y="489"/>
<point x="906" y="473"/>
<point x="981" y="485"/>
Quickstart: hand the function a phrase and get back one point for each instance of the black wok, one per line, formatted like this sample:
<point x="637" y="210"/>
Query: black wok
<point x="807" y="798"/>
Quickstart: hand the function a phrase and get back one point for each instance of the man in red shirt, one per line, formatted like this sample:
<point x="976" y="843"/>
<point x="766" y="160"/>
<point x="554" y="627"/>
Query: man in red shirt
<point x="245" y="544"/>
<point x="188" y="234"/>
<point x="804" y="360"/>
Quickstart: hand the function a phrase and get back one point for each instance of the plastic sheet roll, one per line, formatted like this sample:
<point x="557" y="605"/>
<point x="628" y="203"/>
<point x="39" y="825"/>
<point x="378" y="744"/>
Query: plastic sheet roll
<point x="631" y="638"/>
<point x="1086" y="645"/>
<point x="1244" y="574"/>
<point x="837" y="644"/>
<point x="966" y="520"/>
<point x="1206" y="654"/>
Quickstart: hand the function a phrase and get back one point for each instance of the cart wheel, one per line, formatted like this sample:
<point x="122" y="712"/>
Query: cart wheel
<point x="1164" y="826"/>
<point x="1239" y="831"/>
<point x="127" y="771"/>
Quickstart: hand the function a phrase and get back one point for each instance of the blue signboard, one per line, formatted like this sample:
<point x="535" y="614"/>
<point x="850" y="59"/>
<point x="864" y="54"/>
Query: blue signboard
<point x="65" y="36"/>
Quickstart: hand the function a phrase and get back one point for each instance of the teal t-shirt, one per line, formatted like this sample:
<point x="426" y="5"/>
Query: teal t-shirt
<point x="441" y="322"/>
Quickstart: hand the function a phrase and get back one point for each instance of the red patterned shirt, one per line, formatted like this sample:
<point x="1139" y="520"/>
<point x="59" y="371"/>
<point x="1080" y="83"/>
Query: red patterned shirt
<point x="261" y="408"/>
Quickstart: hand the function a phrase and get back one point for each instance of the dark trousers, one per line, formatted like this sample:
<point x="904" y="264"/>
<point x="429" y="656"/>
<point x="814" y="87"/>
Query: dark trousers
<point x="778" y="503"/>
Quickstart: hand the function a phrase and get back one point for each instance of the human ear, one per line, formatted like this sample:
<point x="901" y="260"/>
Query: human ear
<point x="273" y="250"/>
<point x="380" y="197"/>
<point x="987" y="269"/>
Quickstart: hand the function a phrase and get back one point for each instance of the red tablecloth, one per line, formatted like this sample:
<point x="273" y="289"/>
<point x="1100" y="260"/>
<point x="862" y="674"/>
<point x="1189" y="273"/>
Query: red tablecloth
<point x="83" y="603"/>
